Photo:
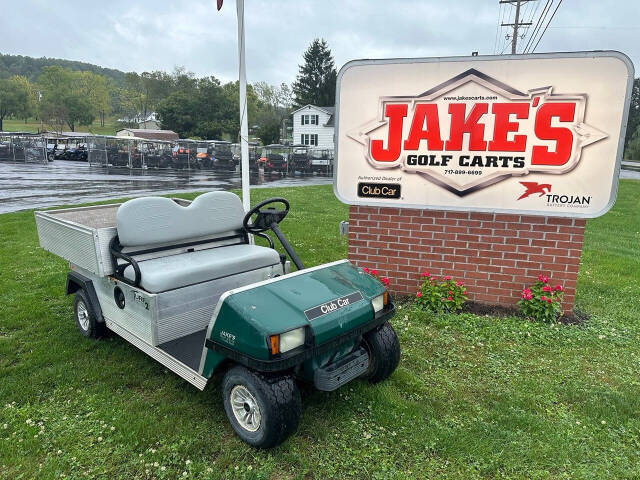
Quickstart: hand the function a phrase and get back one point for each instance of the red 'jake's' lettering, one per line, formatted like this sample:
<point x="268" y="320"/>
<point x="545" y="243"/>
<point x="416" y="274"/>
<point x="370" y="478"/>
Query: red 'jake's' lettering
<point x="425" y="125"/>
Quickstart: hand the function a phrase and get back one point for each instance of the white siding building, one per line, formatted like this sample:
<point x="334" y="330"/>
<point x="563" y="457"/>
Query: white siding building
<point x="313" y="126"/>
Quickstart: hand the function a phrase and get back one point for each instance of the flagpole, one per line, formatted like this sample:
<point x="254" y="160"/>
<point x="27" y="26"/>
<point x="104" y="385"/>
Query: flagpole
<point x="244" y="125"/>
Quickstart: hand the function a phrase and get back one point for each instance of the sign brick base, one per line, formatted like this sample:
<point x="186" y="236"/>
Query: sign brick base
<point x="495" y="255"/>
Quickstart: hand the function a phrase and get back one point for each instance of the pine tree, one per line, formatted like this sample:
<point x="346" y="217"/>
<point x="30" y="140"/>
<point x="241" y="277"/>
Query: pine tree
<point x="316" y="82"/>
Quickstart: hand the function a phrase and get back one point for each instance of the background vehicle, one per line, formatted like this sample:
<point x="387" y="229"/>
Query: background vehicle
<point x="321" y="160"/>
<point x="193" y="293"/>
<point x="183" y="154"/>
<point x="275" y="158"/>
<point x="299" y="159"/>
<point x="222" y="155"/>
<point x="204" y="155"/>
<point x="157" y="154"/>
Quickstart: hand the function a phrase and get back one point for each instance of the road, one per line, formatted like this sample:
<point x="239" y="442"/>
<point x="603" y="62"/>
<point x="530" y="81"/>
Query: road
<point x="25" y="186"/>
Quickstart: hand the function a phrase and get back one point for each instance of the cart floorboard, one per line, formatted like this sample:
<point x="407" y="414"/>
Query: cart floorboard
<point x="187" y="349"/>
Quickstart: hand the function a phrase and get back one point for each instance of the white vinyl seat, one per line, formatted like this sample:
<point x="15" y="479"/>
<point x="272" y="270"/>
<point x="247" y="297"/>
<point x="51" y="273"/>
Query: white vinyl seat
<point x="175" y="271"/>
<point x="152" y="222"/>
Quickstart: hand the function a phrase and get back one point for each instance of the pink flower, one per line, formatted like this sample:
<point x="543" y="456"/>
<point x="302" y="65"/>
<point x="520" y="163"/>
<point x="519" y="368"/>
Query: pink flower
<point x="449" y="298"/>
<point x="529" y="297"/>
<point x="540" y="277"/>
<point x="526" y="291"/>
<point x="543" y="298"/>
<point x="450" y="292"/>
<point x="447" y="277"/>
<point x="546" y="288"/>
<point x="419" y="294"/>
<point x="365" y="270"/>
<point x="545" y="279"/>
<point x="425" y="274"/>
<point x="459" y="284"/>
<point x="558" y="288"/>
<point x="464" y="292"/>
<point x="374" y="272"/>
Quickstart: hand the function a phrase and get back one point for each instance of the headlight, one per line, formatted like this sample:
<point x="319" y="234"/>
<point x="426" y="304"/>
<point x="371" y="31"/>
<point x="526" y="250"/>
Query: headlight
<point x="291" y="339"/>
<point x="378" y="303"/>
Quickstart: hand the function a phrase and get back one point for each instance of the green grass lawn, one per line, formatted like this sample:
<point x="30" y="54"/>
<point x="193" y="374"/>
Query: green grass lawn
<point x="34" y="126"/>
<point x="474" y="396"/>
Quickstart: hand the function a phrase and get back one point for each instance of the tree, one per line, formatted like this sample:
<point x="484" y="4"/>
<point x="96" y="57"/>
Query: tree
<point x="15" y="98"/>
<point x="634" y="114"/>
<point x="64" y="101"/>
<point x="316" y="82"/>
<point x="632" y="152"/>
<point x="269" y="132"/>
<point x="96" y="88"/>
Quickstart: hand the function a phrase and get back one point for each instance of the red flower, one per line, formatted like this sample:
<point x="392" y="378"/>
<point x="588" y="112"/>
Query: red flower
<point x="425" y="274"/>
<point x="419" y="294"/>
<point x="447" y="277"/>
<point x="546" y="288"/>
<point x="526" y="291"/>
<point x="365" y="270"/>
<point x="549" y="300"/>
<point x="385" y="281"/>
<point x="449" y="298"/>
<point x="529" y="297"/>
<point x="459" y="284"/>
<point x="545" y="279"/>
<point x="374" y="272"/>
<point x="540" y="277"/>
<point x="450" y="292"/>
<point x="464" y="292"/>
<point x="558" y="288"/>
<point x="543" y="298"/>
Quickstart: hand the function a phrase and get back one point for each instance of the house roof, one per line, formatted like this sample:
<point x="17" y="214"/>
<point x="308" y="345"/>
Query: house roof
<point x="329" y="110"/>
<point x="151" y="133"/>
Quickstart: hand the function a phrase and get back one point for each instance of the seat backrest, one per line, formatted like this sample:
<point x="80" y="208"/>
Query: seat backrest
<point x="149" y="221"/>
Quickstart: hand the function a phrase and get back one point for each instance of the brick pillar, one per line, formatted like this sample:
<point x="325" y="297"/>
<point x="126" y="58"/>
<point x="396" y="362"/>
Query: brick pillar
<point x="495" y="255"/>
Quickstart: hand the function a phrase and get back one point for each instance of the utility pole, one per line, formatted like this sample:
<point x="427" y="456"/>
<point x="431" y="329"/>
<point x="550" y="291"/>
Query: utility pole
<point x="516" y="23"/>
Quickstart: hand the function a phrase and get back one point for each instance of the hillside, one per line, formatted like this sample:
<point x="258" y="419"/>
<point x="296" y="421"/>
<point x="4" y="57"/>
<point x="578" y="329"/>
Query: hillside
<point x="32" y="67"/>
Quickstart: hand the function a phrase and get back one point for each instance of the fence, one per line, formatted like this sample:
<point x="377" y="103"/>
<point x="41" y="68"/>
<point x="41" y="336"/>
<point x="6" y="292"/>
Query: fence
<point x="23" y="148"/>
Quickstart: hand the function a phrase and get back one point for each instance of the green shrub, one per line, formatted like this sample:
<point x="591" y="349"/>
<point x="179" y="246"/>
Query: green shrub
<point x="541" y="301"/>
<point x="446" y="295"/>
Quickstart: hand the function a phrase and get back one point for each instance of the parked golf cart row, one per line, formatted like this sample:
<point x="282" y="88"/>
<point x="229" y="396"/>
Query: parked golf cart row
<point x="66" y="149"/>
<point x="291" y="159"/>
<point x="184" y="154"/>
<point x="22" y="147"/>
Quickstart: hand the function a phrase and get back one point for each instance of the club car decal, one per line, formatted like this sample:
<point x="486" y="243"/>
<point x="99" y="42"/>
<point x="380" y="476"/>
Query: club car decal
<point x="332" y="305"/>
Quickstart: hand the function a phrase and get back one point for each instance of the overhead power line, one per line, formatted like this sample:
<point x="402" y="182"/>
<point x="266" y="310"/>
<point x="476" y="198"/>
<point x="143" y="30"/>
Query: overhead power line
<point x="545" y="28"/>
<point x="536" y="29"/>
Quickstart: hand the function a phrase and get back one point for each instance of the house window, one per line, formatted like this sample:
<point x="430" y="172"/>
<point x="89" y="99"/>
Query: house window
<point x="309" y="139"/>
<point x="309" y="120"/>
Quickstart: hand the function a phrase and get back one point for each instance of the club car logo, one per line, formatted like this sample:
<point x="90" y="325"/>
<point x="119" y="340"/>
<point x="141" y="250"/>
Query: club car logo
<point x="474" y="131"/>
<point x="554" y="200"/>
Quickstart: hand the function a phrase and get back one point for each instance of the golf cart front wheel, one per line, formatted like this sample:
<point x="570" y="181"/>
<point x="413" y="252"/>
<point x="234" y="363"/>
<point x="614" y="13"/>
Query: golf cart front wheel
<point x="85" y="319"/>
<point x="383" y="348"/>
<point x="263" y="411"/>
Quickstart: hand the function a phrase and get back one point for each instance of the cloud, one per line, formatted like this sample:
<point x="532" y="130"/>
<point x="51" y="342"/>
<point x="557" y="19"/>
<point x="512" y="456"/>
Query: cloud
<point x="162" y="34"/>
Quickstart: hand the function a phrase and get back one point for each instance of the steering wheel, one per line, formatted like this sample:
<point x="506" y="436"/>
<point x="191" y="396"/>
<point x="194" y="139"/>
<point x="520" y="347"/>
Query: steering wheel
<point x="265" y="216"/>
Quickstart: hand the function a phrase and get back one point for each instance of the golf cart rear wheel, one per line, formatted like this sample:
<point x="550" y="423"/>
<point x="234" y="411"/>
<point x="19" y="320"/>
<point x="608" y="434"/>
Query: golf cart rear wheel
<point x="384" y="352"/>
<point x="262" y="410"/>
<point x="85" y="319"/>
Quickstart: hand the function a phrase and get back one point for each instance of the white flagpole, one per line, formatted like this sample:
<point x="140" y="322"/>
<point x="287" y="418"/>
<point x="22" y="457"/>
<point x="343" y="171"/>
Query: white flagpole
<point x="244" y="128"/>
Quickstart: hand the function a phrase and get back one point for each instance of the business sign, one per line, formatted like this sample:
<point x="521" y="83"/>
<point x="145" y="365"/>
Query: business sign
<point x="539" y="134"/>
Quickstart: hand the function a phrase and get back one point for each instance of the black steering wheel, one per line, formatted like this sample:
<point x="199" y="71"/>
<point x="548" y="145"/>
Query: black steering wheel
<point x="265" y="216"/>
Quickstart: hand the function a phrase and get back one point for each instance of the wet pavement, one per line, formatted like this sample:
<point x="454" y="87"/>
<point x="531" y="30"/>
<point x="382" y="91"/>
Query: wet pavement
<point x="25" y="186"/>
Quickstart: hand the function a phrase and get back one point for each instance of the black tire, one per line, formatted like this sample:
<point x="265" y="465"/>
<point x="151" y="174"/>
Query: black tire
<point x="277" y="398"/>
<point x="384" y="352"/>
<point x="89" y="328"/>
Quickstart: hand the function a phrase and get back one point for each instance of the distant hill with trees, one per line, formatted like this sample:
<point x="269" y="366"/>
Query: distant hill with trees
<point x="31" y="67"/>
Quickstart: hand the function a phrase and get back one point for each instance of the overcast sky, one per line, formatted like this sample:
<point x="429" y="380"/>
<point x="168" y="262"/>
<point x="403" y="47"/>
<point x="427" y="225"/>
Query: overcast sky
<point x="144" y="35"/>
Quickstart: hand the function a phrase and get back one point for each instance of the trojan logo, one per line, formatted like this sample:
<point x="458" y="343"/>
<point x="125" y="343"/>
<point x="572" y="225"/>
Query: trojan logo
<point x="535" y="187"/>
<point x="474" y="131"/>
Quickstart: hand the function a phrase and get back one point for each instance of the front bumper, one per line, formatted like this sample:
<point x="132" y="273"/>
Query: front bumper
<point x="297" y="357"/>
<point x="336" y="374"/>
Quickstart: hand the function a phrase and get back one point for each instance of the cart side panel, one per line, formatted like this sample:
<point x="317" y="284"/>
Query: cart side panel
<point x="105" y="262"/>
<point x="75" y="244"/>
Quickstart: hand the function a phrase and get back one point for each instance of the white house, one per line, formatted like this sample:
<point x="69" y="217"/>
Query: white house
<point x="313" y="126"/>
